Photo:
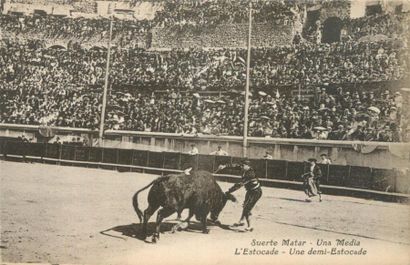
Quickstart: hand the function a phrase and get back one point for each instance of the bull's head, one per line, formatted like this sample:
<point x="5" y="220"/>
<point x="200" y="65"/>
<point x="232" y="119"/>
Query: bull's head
<point x="217" y="210"/>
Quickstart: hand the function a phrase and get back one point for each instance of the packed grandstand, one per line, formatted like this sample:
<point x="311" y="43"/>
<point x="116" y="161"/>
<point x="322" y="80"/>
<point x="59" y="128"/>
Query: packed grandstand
<point x="317" y="86"/>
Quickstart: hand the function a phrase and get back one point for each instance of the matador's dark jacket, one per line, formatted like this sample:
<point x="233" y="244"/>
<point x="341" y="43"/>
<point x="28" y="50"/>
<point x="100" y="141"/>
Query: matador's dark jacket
<point x="249" y="179"/>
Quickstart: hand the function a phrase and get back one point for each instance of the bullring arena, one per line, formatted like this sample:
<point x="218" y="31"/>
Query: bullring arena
<point x="307" y="98"/>
<point x="60" y="214"/>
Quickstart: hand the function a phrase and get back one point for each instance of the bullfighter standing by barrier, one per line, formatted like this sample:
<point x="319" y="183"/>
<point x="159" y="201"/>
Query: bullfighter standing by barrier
<point x="253" y="191"/>
<point x="191" y="163"/>
<point x="311" y="180"/>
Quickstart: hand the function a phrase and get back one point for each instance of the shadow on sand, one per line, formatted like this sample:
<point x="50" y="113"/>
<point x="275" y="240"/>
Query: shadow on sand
<point x="291" y="199"/>
<point x="135" y="230"/>
<point x="230" y="228"/>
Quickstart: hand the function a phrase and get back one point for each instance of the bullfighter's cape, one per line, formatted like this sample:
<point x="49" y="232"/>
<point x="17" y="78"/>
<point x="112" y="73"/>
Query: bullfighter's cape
<point x="310" y="179"/>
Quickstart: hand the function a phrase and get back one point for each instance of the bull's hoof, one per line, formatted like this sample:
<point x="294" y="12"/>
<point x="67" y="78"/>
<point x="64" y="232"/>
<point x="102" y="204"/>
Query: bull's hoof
<point x="175" y="228"/>
<point x="205" y="231"/>
<point x="216" y="222"/>
<point x="183" y="226"/>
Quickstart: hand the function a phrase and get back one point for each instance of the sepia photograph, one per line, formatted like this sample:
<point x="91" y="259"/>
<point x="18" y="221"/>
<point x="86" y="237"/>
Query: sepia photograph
<point x="173" y="132"/>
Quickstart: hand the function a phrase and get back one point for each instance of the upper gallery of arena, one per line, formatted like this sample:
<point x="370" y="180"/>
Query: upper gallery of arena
<point x="204" y="24"/>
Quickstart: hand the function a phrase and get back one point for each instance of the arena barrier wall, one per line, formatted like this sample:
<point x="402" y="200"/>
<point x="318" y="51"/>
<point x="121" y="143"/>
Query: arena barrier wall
<point x="283" y="173"/>
<point x="353" y="153"/>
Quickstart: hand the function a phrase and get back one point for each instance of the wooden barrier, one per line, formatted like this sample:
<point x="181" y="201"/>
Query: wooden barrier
<point x="350" y="153"/>
<point x="364" y="178"/>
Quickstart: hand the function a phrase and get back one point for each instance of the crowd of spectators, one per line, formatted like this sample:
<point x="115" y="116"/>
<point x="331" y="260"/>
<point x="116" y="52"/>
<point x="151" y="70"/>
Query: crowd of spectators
<point x="78" y="29"/>
<point x="384" y="24"/>
<point x="344" y="115"/>
<point x="34" y="87"/>
<point x="208" y="13"/>
<point x="223" y="69"/>
<point x="63" y="87"/>
<point x="201" y="15"/>
<point x="181" y="13"/>
<point x="173" y="13"/>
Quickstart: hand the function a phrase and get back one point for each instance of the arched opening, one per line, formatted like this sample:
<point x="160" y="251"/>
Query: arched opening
<point x="57" y="47"/>
<point x="98" y="48"/>
<point x="331" y="30"/>
<point x="16" y="13"/>
<point x="39" y="12"/>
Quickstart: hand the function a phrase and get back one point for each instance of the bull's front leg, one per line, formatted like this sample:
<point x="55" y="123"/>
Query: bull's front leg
<point x="187" y="220"/>
<point x="162" y="213"/>
<point x="179" y="214"/>
<point x="205" y="230"/>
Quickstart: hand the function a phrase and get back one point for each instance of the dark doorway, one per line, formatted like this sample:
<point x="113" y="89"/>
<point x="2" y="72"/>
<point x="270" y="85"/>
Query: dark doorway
<point x="39" y="12"/>
<point x="57" y="47"/>
<point x="312" y="17"/>
<point x="373" y="9"/>
<point x="310" y="24"/>
<point x="331" y="30"/>
<point x="17" y="14"/>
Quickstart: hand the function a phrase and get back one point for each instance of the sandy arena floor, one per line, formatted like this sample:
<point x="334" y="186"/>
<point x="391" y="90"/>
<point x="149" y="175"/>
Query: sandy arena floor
<point x="57" y="214"/>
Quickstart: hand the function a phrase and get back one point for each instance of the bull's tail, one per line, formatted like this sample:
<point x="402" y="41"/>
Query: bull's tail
<point x="135" y="198"/>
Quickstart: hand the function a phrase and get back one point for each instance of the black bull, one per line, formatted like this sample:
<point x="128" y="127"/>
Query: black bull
<point x="198" y="192"/>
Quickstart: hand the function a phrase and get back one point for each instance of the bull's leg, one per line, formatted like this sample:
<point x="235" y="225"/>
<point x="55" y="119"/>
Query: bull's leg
<point x="187" y="220"/>
<point x="162" y="213"/>
<point x="179" y="214"/>
<point x="147" y="215"/>
<point x="205" y="230"/>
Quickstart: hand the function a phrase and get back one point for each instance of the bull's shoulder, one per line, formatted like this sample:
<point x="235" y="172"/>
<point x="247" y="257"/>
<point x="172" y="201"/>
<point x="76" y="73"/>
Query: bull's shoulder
<point x="200" y="174"/>
<point x="207" y="182"/>
<point x="161" y="180"/>
<point x="179" y="180"/>
<point x="204" y="172"/>
<point x="204" y="175"/>
<point x="199" y="178"/>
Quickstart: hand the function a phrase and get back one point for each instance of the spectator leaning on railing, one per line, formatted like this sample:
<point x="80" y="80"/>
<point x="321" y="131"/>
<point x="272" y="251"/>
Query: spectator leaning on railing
<point x="219" y="152"/>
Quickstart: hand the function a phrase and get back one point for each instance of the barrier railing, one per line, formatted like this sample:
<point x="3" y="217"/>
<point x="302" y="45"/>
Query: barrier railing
<point x="260" y="140"/>
<point x="354" y="153"/>
<point x="377" y="179"/>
